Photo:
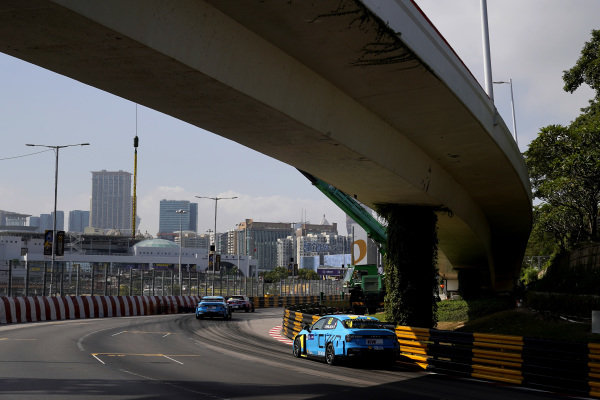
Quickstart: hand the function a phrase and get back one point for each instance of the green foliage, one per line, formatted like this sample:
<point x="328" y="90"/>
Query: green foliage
<point x="307" y="274"/>
<point x="277" y="274"/>
<point x="463" y="310"/>
<point x="587" y="68"/>
<point x="528" y="275"/>
<point x="410" y="265"/>
<point x="564" y="164"/>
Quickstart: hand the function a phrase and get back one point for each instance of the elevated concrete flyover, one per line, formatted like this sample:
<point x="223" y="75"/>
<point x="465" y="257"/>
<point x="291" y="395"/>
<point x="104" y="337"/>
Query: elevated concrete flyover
<point x="365" y="95"/>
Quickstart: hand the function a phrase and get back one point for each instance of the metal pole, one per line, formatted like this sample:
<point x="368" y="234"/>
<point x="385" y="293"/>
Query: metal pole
<point x="487" y="62"/>
<point x="189" y="291"/>
<point x="93" y="279"/>
<point x="153" y="281"/>
<point x="62" y="278"/>
<point x="77" y="280"/>
<point x="172" y="282"/>
<point x="141" y="282"/>
<point x="119" y="282"/>
<point x="180" y="212"/>
<point x="54" y="241"/>
<point x="512" y="103"/>
<point x="44" y="281"/>
<point x="9" y="278"/>
<point x="26" y="277"/>
<point x="105" y="279"/>
<point x="130" y="280"/>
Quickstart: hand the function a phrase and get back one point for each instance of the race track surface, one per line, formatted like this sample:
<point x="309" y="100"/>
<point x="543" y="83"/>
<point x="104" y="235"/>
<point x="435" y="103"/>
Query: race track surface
<point x="177" y="356"/>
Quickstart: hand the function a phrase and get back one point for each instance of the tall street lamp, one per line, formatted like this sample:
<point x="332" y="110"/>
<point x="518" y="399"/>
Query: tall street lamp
<point x="216" y="199"/>
<point x="56" y="150"/>
<point x="180" y="212"/>
<point x="512" y="103"/>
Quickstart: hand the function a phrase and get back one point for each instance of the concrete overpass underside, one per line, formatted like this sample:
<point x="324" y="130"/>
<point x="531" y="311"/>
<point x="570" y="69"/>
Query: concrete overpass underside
<point x="365" y="95"/>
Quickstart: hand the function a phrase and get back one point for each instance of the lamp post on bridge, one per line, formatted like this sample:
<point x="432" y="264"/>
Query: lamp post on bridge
<point x="512" y="103"/>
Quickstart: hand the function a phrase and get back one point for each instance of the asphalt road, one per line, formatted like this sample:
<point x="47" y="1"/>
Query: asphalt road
<point x="177" y="356"/>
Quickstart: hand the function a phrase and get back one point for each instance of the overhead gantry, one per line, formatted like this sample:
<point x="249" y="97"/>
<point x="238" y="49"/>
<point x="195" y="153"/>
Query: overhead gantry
<point x="365" y="95"/>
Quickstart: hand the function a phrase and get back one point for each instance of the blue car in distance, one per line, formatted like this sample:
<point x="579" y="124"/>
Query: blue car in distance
<point x="213" y="306"/>
<point x="345" y="337"/>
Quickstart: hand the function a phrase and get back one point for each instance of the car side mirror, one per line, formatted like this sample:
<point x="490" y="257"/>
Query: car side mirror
<point x="307" y="327"/>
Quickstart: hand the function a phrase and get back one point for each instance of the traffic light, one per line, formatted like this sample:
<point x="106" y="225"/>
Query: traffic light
<point x="60" y="243"/>
<point x="48" y="242"/>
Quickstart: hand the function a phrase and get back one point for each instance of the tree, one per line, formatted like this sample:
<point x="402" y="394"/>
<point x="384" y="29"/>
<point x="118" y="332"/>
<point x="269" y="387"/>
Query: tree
<point x="587" y="68"/>
<point x="564" y="167"/>
<point x="277" y="274"/>
<point x="307" y="274"/>
<point x="564" y="163"/>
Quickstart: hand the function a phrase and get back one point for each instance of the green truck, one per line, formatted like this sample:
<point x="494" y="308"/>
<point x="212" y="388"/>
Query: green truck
<point x="363" y="281"/>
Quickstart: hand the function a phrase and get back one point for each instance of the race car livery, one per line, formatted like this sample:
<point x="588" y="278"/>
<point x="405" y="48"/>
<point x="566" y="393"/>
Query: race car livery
<point x="213" y="306"/>
<point x="337" y="337"/>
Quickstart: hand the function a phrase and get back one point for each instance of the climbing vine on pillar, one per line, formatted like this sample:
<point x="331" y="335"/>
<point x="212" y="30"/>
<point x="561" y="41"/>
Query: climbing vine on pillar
<point x="410" y="265"/>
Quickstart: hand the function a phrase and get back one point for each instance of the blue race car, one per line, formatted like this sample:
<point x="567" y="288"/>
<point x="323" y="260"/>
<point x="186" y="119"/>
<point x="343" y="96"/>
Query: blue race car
<point x="213" y="306"/>
<point x="346" y="337"/>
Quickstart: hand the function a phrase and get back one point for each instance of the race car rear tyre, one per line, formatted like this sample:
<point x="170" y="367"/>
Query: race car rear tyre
<point x="247" y="309"/>
<point x="330" y="354"/>
<point x="297" y="348"/>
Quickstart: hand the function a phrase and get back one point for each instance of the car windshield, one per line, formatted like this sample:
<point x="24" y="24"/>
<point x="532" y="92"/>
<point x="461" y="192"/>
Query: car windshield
<point x="361" y="323"/>
<point x="239" y="298"/>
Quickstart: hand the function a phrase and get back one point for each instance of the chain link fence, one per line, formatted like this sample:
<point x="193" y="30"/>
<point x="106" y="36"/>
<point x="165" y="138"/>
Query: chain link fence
<point x="68" y="279"/>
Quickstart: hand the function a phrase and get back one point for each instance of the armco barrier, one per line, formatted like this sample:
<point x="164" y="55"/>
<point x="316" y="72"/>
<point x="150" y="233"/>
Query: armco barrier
<point x="536" y="363"/>
<point x="52" y="308"/>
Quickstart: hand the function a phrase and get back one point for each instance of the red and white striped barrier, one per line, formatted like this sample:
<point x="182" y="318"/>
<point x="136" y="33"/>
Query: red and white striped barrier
<point x="46" y="308"/>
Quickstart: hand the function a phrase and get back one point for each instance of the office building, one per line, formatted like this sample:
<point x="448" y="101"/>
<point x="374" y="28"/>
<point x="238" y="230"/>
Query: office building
<point x="110" y="206"/>
<point x="78" y="220"/>
<point x="169" y="219"/>
<point x="259" y="240"/>
<point x="46" y="221"/>
<point x="34" y="222"/>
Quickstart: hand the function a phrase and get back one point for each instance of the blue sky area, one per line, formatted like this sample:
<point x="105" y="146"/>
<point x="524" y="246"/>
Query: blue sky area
<point x="532" y="42"/>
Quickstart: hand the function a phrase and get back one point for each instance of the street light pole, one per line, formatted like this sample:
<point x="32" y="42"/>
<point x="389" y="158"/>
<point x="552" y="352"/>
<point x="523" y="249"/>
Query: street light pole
<point x="216" y="199"/>
<point x="180" y="212"/>
<point x="56" y="149"/>
<point x="512" y="103"/>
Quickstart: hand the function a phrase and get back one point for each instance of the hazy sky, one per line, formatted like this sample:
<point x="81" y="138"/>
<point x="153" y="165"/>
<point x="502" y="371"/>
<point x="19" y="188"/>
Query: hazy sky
<point x="532" y="42"/>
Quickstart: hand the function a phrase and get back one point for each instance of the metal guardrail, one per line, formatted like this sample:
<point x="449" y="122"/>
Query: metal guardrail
<point x="536" y="363"/>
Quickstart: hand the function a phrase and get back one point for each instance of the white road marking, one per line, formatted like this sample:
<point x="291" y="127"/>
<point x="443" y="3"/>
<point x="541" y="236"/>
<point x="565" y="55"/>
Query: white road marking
<point x="172" y="359"/>
<point x="103" y="363"/>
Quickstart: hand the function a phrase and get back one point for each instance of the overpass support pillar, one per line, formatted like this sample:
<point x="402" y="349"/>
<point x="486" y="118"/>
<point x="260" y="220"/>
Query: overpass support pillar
<point x="410" y="264"/>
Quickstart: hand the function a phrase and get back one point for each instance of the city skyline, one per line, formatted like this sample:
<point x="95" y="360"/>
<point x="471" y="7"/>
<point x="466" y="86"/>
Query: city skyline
<point x="180" y="161"/>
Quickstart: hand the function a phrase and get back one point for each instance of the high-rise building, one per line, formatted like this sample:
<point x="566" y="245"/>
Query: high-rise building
<point x="169" y="220"/>
<point x="34" y="221"/>
<point x="110" y="206"/>
<point x="47" y="221"/>
<point x="259" y="240"/>
<point x="78" y="220"/>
